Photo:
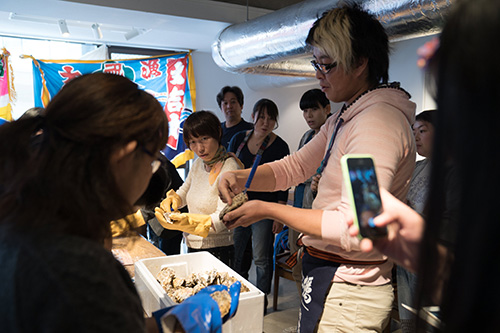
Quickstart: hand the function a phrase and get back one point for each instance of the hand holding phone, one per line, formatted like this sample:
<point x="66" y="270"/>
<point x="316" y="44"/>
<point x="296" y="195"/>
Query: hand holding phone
<point x="362" y="186"/>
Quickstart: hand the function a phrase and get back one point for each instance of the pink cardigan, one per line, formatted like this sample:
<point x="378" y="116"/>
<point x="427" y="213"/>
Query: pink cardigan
<point x="379" y="123"/>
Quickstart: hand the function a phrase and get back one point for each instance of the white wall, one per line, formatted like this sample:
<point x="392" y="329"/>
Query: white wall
<point x="210" y="79"/>
<point x="403" y="68"/>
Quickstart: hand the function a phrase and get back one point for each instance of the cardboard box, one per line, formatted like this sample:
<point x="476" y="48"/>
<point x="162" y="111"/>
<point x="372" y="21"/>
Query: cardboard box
<point x="250" y="314"/>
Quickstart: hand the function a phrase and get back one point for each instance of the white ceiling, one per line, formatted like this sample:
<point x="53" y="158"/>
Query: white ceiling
<point x="166" y="24"/>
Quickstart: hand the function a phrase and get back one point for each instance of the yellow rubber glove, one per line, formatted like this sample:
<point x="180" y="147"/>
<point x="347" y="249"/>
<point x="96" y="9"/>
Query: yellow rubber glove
<point x="121" y="227"/>
<point x="196" y="224"/>
<point x="171" y="202"/>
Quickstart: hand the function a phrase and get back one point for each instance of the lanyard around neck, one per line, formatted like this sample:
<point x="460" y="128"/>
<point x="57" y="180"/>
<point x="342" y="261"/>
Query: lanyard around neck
<point x="245" y="140"/>
<point x="339" y="122"/>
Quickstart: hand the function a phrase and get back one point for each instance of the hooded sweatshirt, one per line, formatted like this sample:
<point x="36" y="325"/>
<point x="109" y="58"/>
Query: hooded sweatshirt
<point x="377" y="123"/>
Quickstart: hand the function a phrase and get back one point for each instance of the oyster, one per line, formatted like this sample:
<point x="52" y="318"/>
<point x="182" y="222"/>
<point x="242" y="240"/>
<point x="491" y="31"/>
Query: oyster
<point x="177" y="282"/>
<point x="165" y="277"/>
<point x="223" y="300"/>
<point x="179" y="288"/>
<point x="182" y="293"/>
<point x="238" y="200"/>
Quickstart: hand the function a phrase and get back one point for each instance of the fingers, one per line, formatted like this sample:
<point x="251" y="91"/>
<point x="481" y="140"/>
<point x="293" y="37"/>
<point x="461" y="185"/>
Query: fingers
<point x="393" y="209"/>
<point x="174" y="205"/>
<point x="228" y="187"/>
<point x="353" y="230"/>
<point x="225" y="192"/>
<point x="314" y="182"/>
<point x="277" y="227"/>
<point x="235" y="218"/>
<point x="159" y="215"/>
<point x="166" y="204"/>
<point x="225" y="196"/>
<point x="366" y="245"/>
<point x="229" y="221"/>
<point x="245" y="215"/>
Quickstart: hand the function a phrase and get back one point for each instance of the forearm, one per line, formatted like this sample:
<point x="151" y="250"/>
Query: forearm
<point x="263" y="180"/>
<point x="307" y="221"/>
<point x="280" y="203"/>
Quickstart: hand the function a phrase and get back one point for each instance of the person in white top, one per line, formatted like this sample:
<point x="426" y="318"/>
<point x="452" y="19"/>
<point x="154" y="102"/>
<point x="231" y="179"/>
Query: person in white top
<point x="202" y="134"/>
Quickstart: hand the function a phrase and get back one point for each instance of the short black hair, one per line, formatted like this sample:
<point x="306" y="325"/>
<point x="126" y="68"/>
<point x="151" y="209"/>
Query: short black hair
<point x="427" y="115"/>
<point x="312" y="99"/>
<point x="233" y="89"/>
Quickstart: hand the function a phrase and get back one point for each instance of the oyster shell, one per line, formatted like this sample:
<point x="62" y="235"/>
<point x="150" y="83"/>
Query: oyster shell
<point x="179" y="288"/>
<point x="223" y="300"/>
<point x="238" y="200"/>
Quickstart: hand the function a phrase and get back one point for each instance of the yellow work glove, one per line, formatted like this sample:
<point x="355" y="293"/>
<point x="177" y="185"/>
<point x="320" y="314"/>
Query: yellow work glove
<point x="171" y="202"/>
<point x="196" y="224"/>
<point x="121" y="227"/>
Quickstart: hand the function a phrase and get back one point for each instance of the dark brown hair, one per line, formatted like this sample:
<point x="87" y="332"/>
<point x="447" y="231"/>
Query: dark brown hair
<point x="202" y="123"/>
<point x="64" y="183"/>
<point x="463" y="192"/>
<point x="270" y="107"/>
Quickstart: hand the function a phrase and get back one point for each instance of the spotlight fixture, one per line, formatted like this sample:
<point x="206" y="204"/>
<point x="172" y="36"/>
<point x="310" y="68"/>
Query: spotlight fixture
<point x="63" y="27"/>
<point x="132" y="34"/>
<point x="96" y="28"/>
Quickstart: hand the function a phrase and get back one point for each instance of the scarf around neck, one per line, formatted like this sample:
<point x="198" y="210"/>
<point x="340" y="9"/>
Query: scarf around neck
<point x="217" y="162"/>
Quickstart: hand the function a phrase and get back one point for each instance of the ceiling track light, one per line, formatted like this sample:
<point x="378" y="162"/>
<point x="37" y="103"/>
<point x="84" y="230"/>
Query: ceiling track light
<point x="132" y="34"/>
<point x="63" y="27"/>
<point x="96" y="28"/>
<point x="128" y="31"/>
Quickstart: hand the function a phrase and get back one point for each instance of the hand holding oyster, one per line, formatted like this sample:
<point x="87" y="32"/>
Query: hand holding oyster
<point x="196" y="224"/>
<point x="238" y="200"/>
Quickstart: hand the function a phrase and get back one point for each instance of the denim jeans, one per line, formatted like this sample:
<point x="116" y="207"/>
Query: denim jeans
<point x="262" y="238"/>
<point x="407" y="285"/>
<point x="169" y="246"/>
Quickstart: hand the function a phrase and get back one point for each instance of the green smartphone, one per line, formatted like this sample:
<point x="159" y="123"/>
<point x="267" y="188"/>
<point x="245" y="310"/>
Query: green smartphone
<point x="364" y="195"/>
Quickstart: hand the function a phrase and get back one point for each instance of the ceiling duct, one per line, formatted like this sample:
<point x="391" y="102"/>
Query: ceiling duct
<point x="274" y="44"/>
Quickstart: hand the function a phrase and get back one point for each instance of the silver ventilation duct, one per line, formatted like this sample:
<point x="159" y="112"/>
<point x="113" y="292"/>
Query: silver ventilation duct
<point x="274" y="44"/>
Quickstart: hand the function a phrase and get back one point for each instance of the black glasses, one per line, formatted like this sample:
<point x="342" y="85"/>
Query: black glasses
<point x="323" y="68"/>
<point x="155" y="165"/>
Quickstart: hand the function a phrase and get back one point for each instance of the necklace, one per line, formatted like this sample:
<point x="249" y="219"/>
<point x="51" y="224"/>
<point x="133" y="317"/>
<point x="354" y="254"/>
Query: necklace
<point x="339" y="121"/>
<point x="258" y="140"/>
<point x="245" y="142"/>
<point x="392" y="85"/>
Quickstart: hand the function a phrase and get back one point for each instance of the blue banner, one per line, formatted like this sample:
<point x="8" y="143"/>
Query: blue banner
<point x="169" y="78"/>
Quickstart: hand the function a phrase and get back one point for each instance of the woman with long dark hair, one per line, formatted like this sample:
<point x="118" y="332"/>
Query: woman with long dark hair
<point x="247" y="145"/>
<point x="60" y="188"/>
<point x="454" y="249"/>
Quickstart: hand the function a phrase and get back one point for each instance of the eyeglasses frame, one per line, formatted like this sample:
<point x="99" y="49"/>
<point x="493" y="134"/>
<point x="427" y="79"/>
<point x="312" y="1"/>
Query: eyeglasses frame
<point x="155" y="165"/>
<point x="323" y="68"/>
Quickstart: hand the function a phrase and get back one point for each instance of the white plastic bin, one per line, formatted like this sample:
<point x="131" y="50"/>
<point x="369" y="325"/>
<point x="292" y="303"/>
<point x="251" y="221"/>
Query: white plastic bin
<point x="249" y="316"/>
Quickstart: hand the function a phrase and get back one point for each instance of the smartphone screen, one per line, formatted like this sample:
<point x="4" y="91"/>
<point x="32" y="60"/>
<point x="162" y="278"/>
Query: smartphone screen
<point x="361" y="182"/>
